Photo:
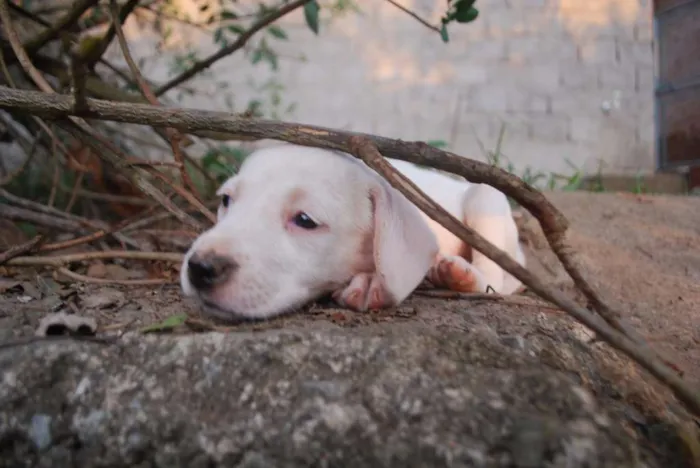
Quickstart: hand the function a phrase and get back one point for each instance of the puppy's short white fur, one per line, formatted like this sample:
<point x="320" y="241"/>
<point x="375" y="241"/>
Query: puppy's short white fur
<point x="371" y="247"/>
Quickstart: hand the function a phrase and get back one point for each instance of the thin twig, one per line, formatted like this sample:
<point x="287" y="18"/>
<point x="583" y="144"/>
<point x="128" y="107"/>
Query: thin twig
<point x="108" y="197"/>
<point x="30" y="152"/>
<point x="509" y="300"/>
<point x="139" y="162"/>
<point x="78" y="76"/>
<point x="49" y="210"/>
<point x="29" y="15"/>
<point x="88" y="238"/>
<point x="414" y="16"/>
<point x="231" y="48"/>
<point x="56" y="174"/>
<point x="95" y="53"/>
<point x="173" y="135"/>
<point x="20" y="249"/>
<point x="74" y="192"/>
<point x="58" y="261"/>
<point x="40" y="219"/>
<point x="44" y="128"/>
<point x="194" y="201"/>
<point x="171" y="17"/>
<point x="118" y="159"/>
<point x="74" y="242"/>
<point x="89" y="279"/>
<point x="47" y="216"/>
<point x="64" y="23"/>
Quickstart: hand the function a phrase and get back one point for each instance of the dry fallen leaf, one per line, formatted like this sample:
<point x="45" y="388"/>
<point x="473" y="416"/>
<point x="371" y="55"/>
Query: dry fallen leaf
<point x="102" y="298"/>
<point x="97" y="270"/>
<point x="9" y="285"/>
<point x="61" y="323"/>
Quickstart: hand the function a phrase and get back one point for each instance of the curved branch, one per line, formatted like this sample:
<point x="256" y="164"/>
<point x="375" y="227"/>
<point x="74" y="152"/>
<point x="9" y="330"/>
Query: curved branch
<point x="365" y="150"/>
<point x="552" y="221"/>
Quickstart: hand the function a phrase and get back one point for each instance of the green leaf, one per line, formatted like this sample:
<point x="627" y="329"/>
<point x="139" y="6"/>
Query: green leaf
<point x="257" y="56"/>
<point x="219" y="36"/>
<point x="277" y="32"/>
<point x="226" y="14"/>
<point x="271" y="58"/>
<point x="443" y="34"/>
<point x="311" y="10"/>
<point x="464" y="4"/>
<point x="168" y="324"/>
<point x="466" y="15"/>
<point x="235" y="28"/>
<point x="437" y="143"/>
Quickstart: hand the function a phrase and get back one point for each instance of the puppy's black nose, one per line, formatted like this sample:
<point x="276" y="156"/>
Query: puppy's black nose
<point x="207" y="270"/>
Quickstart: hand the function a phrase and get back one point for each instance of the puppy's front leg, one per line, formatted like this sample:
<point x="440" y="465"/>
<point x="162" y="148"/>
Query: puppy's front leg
<point x="456" y="274"/>
<point x="365" y="291"/>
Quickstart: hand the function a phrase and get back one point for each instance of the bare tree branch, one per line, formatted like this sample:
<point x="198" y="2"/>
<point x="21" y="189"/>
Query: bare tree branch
<point x="81" y="130"/>
<point x="20" y="249"/>
<point x="414" y="16"/>
<point x="173" y="135"/>
<point x="228" y="50"/>
<point x="78" y="75"/>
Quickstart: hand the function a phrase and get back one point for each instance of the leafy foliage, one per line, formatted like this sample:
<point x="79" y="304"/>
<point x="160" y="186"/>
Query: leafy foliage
<point x="311" y="10"/>
<point x="461" y="11"/>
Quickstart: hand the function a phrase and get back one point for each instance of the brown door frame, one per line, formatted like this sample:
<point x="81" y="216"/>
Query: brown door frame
<point x="663" y="88"/>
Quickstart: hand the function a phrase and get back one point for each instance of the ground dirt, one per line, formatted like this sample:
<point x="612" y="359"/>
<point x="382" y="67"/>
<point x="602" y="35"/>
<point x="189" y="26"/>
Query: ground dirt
<point x="643" y="253"/>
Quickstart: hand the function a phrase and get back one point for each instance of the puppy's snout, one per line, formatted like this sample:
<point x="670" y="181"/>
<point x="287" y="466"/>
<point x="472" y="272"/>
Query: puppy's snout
<point x="207" y="270"/>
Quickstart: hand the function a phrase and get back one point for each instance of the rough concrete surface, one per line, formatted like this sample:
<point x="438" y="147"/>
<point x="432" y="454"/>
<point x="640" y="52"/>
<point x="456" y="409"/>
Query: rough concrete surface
<point x="434" y="382"/>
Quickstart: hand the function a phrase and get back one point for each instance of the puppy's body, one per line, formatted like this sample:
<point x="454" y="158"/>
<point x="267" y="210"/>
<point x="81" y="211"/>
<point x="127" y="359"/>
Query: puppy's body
<point x="296" y="223"/>
<point x="480" y="206"/>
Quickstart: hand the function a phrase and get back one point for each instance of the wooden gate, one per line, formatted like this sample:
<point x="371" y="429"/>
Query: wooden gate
<point x="677" y="24"/>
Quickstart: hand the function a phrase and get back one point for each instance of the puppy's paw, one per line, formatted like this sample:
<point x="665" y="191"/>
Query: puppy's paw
<point x="364" y="292"/>
<point x="456" y="274"/>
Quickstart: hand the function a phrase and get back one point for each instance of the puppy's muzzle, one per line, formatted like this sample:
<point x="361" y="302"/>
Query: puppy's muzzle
<point x="208" y="270"/>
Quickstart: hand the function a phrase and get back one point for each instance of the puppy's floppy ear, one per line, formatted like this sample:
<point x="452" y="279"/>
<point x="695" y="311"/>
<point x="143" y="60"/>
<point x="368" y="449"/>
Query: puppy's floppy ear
<point x="404" y="245"/>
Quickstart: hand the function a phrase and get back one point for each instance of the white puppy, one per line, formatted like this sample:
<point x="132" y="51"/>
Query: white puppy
<point x="297" y="223"/>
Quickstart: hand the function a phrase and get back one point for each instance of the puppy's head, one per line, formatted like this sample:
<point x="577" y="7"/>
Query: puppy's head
<point x="296" y="223"/>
